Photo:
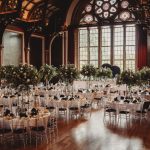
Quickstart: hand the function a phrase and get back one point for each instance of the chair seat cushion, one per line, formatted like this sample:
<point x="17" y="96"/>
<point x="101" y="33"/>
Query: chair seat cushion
<point x="40" y="128"/>
<point x="62" y="109"/>
<point x="4" y="131"/>
<point x="139" y="111"/>
<point x="85" y="106"/>
<point x="51" y="107"/>
<point x="124" y="112"/>
<point x="73" y="108"/>
<point x="110" y="110"/>
<point x="19" y="131"/>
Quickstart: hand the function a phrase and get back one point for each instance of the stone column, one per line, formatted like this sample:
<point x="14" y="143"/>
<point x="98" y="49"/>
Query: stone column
<point x="27" y="55"/>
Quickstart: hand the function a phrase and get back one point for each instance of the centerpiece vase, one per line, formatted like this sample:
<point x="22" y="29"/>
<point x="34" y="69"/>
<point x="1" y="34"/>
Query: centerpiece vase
<point x="89" y="83"/>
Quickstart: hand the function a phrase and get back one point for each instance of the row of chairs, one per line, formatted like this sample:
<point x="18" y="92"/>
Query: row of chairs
<point x="36" y="131"/>
<point x="124" y="112"/>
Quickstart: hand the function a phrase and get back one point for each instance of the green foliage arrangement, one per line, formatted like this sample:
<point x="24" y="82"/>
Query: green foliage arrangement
<point x="88" y="71"/>
<point x="145" y="75"/>
<point x="68" y="73"/>
<point x="25" y="75"/>
<point x="104" y="73"/>
<point x="129" y="78"/>
<point x="46" y="73"/>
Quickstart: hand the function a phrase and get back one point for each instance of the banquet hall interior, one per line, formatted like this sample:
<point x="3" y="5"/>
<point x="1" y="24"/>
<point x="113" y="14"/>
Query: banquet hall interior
<point x="74" y="74"/>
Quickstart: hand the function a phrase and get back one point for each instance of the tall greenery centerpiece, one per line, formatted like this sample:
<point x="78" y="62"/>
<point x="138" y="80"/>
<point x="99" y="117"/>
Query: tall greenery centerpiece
<point x="9" y="76"/>
<point x="3" y="72"/>
<point x="24" y="76"/>
<point x="68" y="74"/>
<point x="103" y="73"/>
<point x="129" y="78"/>
<point x="88" y="71"/>
<point x="46" y="73"/>
<point x="145" y="76"/>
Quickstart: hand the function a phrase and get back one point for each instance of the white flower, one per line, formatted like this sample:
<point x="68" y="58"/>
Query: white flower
<point x="28" y="80"/>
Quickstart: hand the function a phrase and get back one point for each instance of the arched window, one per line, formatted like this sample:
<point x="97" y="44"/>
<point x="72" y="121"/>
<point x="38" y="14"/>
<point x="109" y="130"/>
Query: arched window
<point x="107" y="34"/>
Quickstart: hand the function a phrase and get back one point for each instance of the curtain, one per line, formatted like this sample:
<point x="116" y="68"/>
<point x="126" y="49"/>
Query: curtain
<point x="141" y="46"/>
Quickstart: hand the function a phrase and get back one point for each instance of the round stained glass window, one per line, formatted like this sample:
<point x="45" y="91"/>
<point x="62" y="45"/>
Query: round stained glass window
<point x="112" y="2"/>
<point x="124" y="16"/>
<point x="99" y="11"/>
<point x="88" y="18"/>
<point x="88" y="8"/>
<point x="106" y="6"/>
<point x="124" y="4"/>
<point x="106" y="14"/>
<point x="113" y="9"/>
<point x="99" y="3"/>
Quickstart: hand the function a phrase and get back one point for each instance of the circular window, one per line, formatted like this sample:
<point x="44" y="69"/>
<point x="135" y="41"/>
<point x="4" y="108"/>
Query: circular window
<point x="124" y="16"/>
<point x="106" y="6"/>
<point x="99" y="11"/>
<point x="124" y="4"/>
<point x="88" y="18"/>
<point x="88" y="8"/>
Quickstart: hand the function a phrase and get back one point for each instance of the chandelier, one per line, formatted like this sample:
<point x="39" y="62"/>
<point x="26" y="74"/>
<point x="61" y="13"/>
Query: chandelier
<point x="142" y="9"/>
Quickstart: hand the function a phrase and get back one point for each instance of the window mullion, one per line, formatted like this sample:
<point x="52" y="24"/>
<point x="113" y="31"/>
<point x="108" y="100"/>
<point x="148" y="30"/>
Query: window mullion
<point x="88" y="45"/>
<point x="124" y="47"/>
<point x="99" y="46"/>
<point x="112" y="45"/>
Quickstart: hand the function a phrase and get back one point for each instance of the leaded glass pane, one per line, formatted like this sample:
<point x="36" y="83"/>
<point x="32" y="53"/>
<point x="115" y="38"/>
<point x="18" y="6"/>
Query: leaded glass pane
<point x="83" y="38"/>
<point x="83" y="53"/>
<point x="82" y="63"/>
<point x="106" y="62"/>
<point x="119" y="63"/>
<point x="93" y="53"/>
<point x="93" y="37"/>
<point x="130" y="52"/>
<point x="118" y="35"/>
<point x="106" y="44"/>
<point x="130" y="64"/>
<point x="130" y="47"/>
<point x="94" y="63"/>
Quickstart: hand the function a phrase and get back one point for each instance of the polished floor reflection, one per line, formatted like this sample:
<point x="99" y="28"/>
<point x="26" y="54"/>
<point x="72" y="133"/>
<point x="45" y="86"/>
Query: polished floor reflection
<point x="96" y="134"/>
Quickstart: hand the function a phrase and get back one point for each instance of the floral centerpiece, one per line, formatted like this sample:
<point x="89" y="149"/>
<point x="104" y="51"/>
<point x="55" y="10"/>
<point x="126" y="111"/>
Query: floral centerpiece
<point x="25" y="75"/>
<point x="68" y="73"/>
<point x="145" y="75"/>
<point x="88" y="71"/>
<point x="46" y="73"/>
<point x="2" y="74"/>
<point x="104" y="73"/>
<point x="7" y="73"/>
<point x="129" y="78"/>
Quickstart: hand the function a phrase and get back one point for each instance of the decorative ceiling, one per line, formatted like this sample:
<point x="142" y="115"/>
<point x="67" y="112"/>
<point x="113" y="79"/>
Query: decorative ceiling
<point x="33" y="9"/>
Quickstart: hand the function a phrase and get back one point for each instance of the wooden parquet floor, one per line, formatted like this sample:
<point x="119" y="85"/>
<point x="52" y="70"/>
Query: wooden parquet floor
<point x="96" y="134"/>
